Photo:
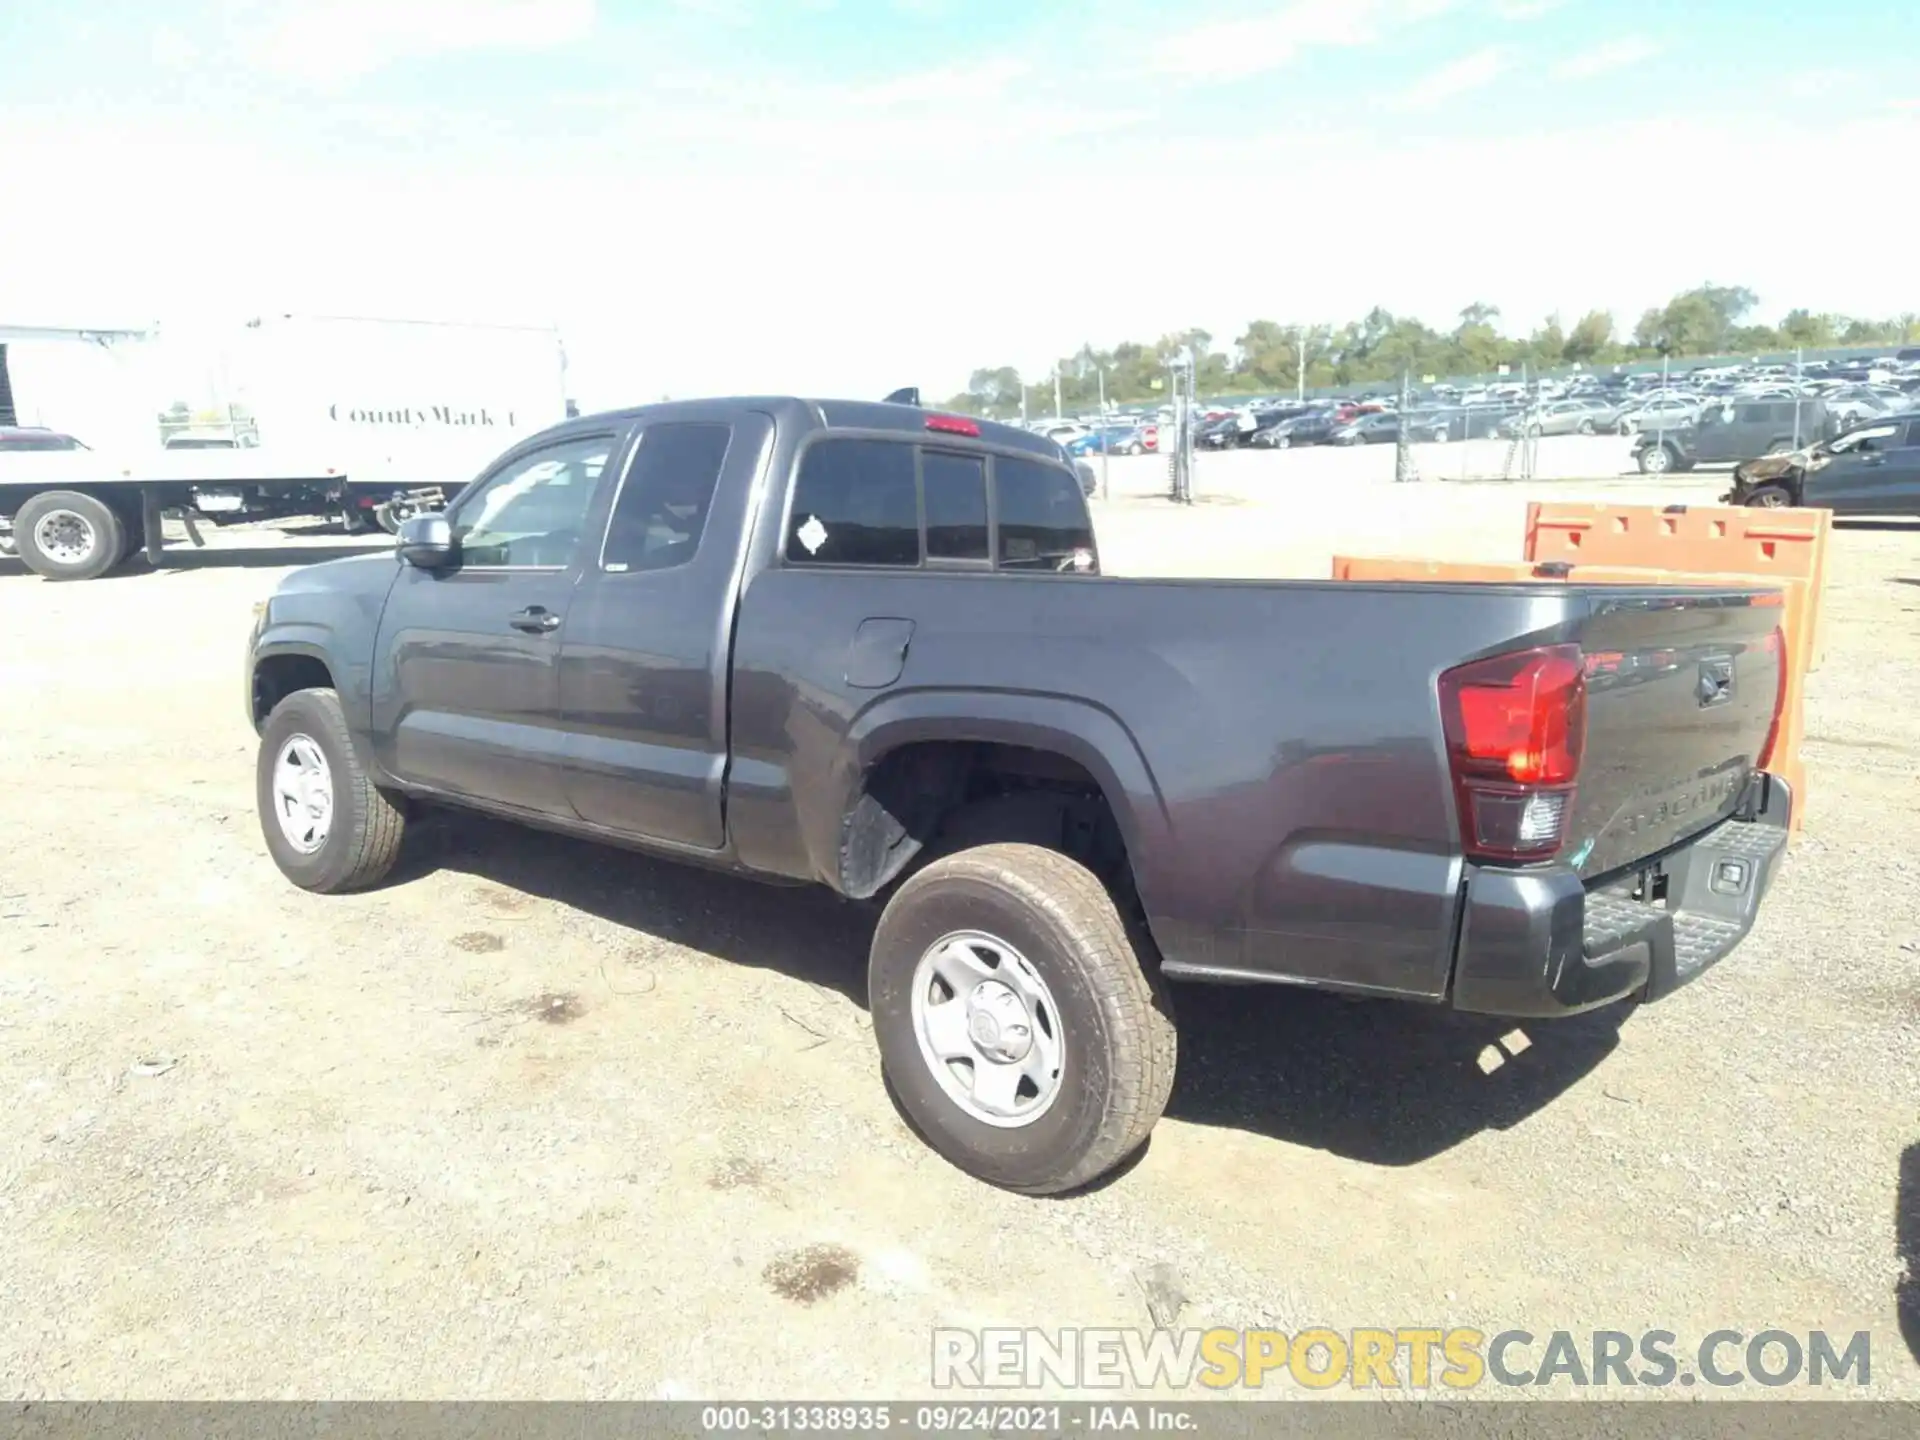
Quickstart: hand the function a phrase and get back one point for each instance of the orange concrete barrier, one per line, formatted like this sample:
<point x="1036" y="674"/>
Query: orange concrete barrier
<point x="1693" y="539"/>
<point x="1796" y="625"/>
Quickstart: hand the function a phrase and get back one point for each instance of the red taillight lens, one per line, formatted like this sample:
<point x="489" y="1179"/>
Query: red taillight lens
<point x="953" y="424"/>
<point x="1776" y="646"/>
<point x="1516" y="728"/>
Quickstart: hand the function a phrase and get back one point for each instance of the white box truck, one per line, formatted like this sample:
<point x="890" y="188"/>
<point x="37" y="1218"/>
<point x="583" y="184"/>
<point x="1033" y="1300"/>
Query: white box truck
<point x="367" y="419"/>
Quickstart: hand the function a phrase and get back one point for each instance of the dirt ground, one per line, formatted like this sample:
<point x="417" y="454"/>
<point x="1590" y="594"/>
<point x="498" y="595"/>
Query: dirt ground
<point x="541" y="1120"/>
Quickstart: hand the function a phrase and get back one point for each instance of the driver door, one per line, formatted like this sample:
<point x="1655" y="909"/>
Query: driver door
<point x="466" y="694"/>
<point x="1870" y="476"/>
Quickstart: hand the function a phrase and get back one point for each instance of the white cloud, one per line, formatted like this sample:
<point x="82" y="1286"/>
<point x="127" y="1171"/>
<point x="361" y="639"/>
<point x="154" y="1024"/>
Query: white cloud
<point x="1526" y="9"/>
<point x="1456" y="78"/>
<point x="950" y="84"/>
<point x="346" y="40"/>
<point x="1237" y="49"/>
<point x="1618" y="54"/>
<point x="1813" y="84"/>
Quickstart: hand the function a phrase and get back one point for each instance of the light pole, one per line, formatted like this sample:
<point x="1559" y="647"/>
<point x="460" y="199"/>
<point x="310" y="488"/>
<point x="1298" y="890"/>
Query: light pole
<point x="1300" y="373"/>
<point x="1106" y="435"/>
<point x="1056" y="394"/>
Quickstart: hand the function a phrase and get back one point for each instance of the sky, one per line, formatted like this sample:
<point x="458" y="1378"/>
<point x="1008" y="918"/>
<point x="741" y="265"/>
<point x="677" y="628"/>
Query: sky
<point x="846" y="196"/>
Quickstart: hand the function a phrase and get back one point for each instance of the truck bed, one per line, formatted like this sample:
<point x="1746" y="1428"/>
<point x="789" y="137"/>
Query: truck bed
<point x="1275" y="747"/>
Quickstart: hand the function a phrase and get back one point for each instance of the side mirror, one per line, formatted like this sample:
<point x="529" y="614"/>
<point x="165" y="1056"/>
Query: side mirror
<point x="426" y="541"/>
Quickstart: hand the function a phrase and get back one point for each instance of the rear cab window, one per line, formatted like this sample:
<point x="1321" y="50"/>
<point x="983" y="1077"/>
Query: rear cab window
<point x="906" y="504"/>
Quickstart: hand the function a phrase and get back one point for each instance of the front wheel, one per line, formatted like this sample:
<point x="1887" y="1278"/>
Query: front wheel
<point x="1770" y="497"/>
<point x="1018" y="1029"/>
<point x="69" y="535"/>
<point x="327" y="825"/>
<point x="1136" y="449"/>
<point x="1586" y="427"/>
<point x="1656" y="460"/>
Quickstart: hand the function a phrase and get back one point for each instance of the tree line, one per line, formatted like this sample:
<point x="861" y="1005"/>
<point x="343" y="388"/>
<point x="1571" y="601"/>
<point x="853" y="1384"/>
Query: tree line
<point x="1709" y="320"/>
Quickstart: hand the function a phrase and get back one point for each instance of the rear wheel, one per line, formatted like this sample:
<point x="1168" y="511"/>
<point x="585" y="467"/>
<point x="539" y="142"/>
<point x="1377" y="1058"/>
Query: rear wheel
<point x="68" y="535"/>
<point x="327" y="825"/>
<point x="1018" y="1030"/>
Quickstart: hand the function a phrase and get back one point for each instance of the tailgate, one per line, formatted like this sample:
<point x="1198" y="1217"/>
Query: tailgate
<point x="1682" y="691"/>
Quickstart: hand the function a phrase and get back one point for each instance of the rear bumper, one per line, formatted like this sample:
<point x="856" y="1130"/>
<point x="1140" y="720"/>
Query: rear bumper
<point x="1539" y="943"/>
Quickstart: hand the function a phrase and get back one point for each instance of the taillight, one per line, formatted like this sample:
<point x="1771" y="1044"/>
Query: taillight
<point x="953" y="424"/>
<point x="1776" y="646"/>
<point x="1516" y="726"/>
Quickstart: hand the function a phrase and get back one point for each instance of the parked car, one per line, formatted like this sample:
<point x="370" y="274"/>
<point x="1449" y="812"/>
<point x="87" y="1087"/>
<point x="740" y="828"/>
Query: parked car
<point x="1873" y="469"/>
<point x="1373" y="428"/>
<point x="1475" y="422"/>
<point x="1314" y="428"/>
<point x="1565" y="417"/>
<point x="1219" y="433"/>
<point x="1138" y="441"/>
<point x="1733" y="432"/>
<point x="19" y="439"/>
<point x="770" y="636"/>
<point x="1105" y="440"/>
<point x="1663" y="411"/>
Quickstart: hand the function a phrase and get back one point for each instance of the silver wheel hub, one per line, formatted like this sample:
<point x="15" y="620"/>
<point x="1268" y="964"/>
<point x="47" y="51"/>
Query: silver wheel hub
<point x="303" y="793"/>
<point x="988" y="1028"/>
<point x="66" y="536"/>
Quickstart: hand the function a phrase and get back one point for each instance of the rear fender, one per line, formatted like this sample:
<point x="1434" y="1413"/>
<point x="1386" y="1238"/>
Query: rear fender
<point x="1091" y="737"/>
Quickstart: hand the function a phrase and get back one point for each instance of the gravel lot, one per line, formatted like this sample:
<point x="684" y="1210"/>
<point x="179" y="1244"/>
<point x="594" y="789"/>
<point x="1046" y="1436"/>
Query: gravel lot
<point x="539" y="1120"/>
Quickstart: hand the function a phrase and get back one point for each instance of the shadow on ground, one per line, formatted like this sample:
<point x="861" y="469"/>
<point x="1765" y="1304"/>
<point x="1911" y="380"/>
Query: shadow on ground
<point x="803" y="931"/>
<point x="1374" y="1081"/>
<point x="1383" y="1083"/>
<point x="1906" y="1244"/>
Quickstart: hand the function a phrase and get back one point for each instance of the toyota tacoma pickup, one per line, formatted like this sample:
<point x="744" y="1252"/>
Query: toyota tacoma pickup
<point x="871" y="647"/>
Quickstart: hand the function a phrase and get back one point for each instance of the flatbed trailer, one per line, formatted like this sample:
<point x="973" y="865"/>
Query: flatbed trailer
<point x="75" y="515"/>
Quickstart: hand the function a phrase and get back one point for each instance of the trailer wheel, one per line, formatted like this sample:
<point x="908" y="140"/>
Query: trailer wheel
<point x="355" y="520"/>
<point x="1019" y="1032"/>
<point x="67" y="535"/>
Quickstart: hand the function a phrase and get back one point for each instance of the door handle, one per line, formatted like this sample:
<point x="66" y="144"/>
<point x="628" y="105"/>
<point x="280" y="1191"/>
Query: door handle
<point x="535" y="620"/>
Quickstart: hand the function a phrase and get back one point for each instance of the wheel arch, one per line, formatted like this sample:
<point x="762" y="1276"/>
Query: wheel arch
<point x="281" y="667"/>
<point x="905" y="763"/>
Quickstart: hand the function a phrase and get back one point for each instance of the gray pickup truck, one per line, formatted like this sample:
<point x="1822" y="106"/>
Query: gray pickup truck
<point x="870" y="646"/>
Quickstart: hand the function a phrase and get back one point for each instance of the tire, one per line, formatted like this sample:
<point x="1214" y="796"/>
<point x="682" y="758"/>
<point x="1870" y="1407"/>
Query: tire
<point x="1586" y="427"/>
<point x="1283" y="442"/>
<point x="1136" y="448"/>
<point x="67" y="535"/>
<point x="1442" y="436"/>
<point x="1656" y="459"/>
<point x="361" y="838"/>
<point x="1026" y="912"/>
<point x="356" y="521"/>
<point x="1769" y="497"/>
